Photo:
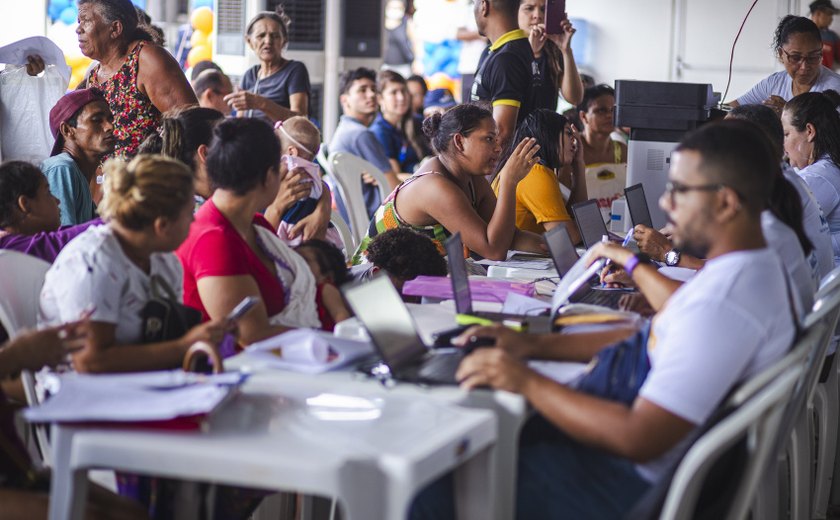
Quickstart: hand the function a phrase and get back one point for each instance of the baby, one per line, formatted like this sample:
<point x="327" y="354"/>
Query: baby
<point x="299" y="143"/>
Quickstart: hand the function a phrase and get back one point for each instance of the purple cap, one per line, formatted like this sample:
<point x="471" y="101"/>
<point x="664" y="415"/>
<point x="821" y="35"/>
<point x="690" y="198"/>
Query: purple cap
<point x="65" y="108"/>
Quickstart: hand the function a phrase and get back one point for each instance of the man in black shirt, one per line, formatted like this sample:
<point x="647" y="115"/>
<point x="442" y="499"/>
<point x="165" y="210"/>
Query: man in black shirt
<point x="506" y="68"/>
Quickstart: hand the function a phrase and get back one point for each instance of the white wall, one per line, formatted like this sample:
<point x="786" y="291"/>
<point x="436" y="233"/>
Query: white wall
<point x="21" y="19"/>
<point x="628" y="39"/>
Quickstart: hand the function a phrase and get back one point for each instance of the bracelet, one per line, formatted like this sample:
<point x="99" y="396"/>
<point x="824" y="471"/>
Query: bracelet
<point x="631" y="265"/>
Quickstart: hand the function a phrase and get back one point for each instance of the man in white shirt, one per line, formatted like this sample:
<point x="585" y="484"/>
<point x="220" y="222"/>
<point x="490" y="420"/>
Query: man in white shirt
<point x="585" y="456"/>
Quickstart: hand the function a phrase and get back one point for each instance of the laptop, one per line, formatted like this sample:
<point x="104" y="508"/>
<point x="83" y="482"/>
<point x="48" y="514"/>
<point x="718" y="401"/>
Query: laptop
<point x="463" y="296"/>
<point x="565" y="257"/>
<point x="637" y="204"/>
<point x="591" y="223"/>
<point x="378" y="305"/>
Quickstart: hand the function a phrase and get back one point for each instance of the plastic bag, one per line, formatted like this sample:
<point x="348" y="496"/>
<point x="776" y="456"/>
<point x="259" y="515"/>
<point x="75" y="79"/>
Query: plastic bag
<point x="25" y="103"/>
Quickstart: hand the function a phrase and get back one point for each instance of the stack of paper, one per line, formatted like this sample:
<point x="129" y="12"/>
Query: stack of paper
<point x="308" y="351"/>
<point x="140" y="397"/>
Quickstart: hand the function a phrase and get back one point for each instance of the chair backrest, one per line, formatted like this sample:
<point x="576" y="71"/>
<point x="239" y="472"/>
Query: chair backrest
<point x="758" y="417"/>
<point x="346" y="236"/>
<point x="20" y="290"/>
<point x="346" y="171"/>
<point x="832" y="279"/>
<point x="322" y="160"/>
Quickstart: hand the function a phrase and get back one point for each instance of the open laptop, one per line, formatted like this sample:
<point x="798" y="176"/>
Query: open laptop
<point x="590" y="223"/>
<point x="463" y="296"/>
<point x="565" y="257"/>
<point x="637" y="204"/>
<point x="378" y="305"/>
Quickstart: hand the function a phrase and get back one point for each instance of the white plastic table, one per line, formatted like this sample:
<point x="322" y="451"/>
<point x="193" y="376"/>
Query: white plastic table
<point x="372" y="449"/>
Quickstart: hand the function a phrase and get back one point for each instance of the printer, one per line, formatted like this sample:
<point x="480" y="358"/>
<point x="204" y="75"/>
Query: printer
<point x="659" y="114"/>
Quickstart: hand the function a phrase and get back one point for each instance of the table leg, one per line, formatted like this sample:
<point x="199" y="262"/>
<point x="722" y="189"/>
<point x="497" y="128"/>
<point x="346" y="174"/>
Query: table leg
<point x="68" y="490"/>
<point x="475" y="486"/>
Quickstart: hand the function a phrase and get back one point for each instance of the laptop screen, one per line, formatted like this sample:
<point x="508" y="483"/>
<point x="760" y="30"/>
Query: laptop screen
<point x="561" y="248"/>
<point x="636" y="202"/>
<point x="589" y="222"/>
<point x="458" y="272"/>
<point x="379" y="307"/>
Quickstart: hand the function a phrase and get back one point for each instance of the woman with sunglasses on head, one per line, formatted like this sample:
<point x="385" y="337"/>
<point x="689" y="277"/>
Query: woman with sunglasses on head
<point x="812" y="143"/>
<point x="798" y="45"/>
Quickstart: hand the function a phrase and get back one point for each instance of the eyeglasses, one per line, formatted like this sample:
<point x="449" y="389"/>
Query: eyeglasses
<point x="811" y="58"/>
<point x="674" y="187"/>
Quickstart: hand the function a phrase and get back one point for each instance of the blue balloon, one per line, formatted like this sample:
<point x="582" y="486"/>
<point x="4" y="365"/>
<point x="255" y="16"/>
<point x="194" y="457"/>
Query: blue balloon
<point x="68" y="15"/>
<point x="53" y="12"/>
<point x="60" y="5"/>
<point x="139" y="3"/>
<point x="202" y="3"/>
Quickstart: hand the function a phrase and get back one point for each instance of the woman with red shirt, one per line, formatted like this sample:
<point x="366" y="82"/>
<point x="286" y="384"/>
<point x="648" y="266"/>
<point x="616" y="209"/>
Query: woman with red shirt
<point x="232" y="251"/>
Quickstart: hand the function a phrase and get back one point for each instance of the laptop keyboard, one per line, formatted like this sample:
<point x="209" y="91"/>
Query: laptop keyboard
<point x="603" y="298"/>
<point x="441" y="368"/>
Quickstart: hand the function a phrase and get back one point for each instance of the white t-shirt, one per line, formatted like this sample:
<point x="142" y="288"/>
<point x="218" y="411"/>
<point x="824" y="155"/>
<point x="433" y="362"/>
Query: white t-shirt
<point x="815" y="224"/>
<point x="823" y="177"/>
<point x="729" y="322"/>
<point x="783" y="240"/>
<point x="93" y="270"/>
<point x="780" y="84"/>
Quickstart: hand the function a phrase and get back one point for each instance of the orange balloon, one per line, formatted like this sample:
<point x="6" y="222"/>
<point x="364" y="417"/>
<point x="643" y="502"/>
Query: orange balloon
<point x="200" y="53"/>
<point x="202" y="20"/>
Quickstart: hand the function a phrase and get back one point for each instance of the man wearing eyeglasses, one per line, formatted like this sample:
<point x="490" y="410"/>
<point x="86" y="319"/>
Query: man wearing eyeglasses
<point x="822" y="14"/>
<point x="587" y="456"/>
<point x="799" y="48"/>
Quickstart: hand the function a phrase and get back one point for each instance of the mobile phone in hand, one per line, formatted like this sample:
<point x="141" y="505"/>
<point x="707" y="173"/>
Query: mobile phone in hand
<point x="555" y="13"/>
<point x="242" y="308"/>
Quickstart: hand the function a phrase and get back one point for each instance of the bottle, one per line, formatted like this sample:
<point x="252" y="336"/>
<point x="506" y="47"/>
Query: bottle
<point x="617" y="215"/>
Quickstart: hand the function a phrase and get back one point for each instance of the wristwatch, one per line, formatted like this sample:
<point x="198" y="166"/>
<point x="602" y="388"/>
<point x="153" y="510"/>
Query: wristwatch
<point x="672" y="257"/>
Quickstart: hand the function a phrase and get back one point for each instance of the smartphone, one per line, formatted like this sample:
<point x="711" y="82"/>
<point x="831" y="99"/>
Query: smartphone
<point x="555" y="13"/>
<point x="242" y="307"/>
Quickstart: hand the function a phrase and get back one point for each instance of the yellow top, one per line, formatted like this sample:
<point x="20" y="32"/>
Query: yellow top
<point x="538" y="200"/>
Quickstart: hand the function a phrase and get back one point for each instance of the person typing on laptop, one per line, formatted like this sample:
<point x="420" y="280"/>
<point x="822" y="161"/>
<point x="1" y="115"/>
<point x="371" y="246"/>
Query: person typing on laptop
<point x="593" y="454"/>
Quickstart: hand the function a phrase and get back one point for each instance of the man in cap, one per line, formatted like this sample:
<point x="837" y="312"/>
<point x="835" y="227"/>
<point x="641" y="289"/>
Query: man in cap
<point x="83" y="127"/>
<point x="822" y="14"/>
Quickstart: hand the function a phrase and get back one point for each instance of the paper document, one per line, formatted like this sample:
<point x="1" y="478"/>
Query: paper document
<point x="518" y="304"/>
<point x="84" y="398"/>
<point x="308" y="351"/>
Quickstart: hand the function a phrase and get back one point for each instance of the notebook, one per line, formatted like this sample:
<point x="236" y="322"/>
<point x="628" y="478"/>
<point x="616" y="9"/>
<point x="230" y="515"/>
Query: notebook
<point x="463" y="295"/>
<point x="566" y="260"/>
<point x="591" y="223"/>
<point x="378" y="305"/>
<point x="637" y="204"/>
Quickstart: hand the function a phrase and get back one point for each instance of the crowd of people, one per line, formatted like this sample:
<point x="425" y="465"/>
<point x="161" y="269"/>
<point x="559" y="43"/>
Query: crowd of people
<point x="203" y="193"/>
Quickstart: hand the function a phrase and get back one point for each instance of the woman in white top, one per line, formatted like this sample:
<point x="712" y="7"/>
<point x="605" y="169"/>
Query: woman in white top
<point x="812" y="143"/>
<point x="108" y="269"/>
<point x="798" y="46"/>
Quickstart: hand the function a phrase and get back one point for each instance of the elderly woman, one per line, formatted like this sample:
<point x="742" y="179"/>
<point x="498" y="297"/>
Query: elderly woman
<point x="140" y="79"/>
<point x="798" y="45"/>
<point x="277" y="88"/>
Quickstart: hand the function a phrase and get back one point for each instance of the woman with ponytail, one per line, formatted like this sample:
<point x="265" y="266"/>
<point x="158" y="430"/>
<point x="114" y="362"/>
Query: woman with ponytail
<point x="185" y="135"/>
<point x="449" y="193"/>
<point x="232" y="251"/>
<point x="107" y="271"/>
<point x="140" y="79"/>
<point x="812" y="143"/>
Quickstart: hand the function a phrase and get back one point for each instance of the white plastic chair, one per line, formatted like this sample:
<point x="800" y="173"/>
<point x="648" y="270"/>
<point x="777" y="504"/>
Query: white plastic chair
<point x="20" y="292"/>
<point x="823" y="421"/>
<point x="346" y="172"/>
<point x="787" y="490"/>
<point x="759" y="404"/>
<point x="345" y="233"/>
